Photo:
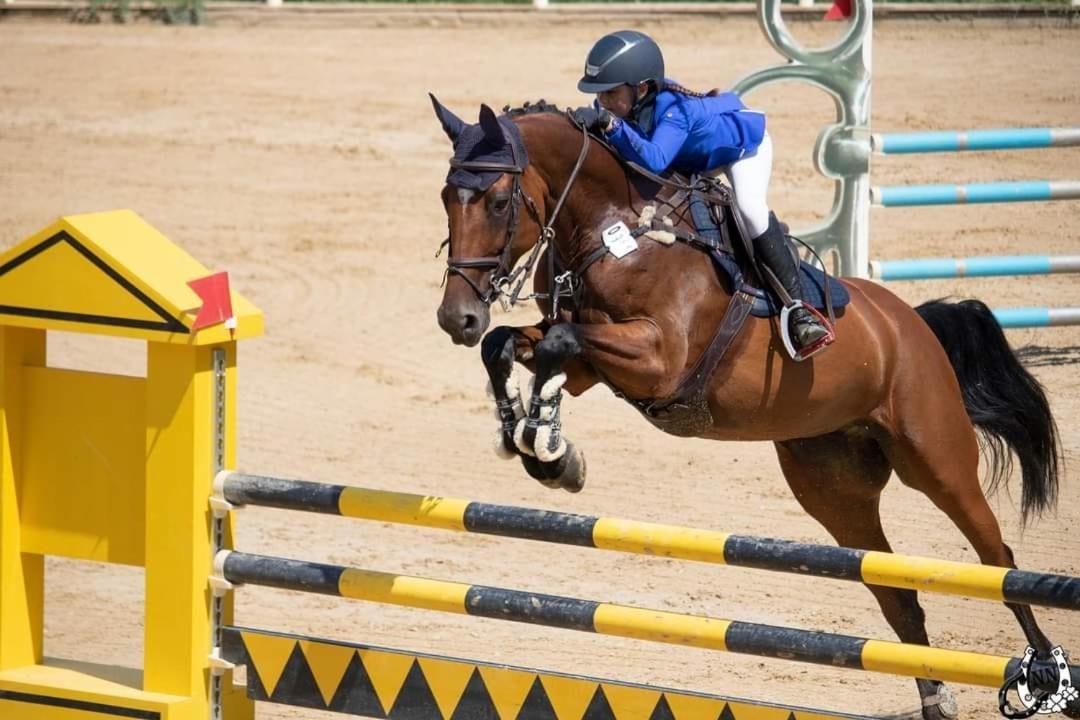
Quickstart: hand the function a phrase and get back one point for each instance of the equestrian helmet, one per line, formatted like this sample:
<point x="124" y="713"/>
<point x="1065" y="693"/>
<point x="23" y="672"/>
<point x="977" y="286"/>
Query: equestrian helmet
<point x="626" y="57"/>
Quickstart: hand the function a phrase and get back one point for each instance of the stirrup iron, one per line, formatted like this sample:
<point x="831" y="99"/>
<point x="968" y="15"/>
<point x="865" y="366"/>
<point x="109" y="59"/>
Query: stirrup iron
<point x="799" y="355"/>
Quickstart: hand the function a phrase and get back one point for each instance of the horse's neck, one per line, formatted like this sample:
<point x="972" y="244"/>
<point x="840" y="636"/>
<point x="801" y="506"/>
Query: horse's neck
<point x="596" y="202"/>
<point x="603" y="190"/>
<point x="595" y="193"/>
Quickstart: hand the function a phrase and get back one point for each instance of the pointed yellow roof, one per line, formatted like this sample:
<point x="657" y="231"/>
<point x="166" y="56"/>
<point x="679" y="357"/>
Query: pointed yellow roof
<point x="111" y="273"/>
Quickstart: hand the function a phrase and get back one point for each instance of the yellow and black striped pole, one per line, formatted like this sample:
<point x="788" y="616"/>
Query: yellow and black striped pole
<point x="620" y="620"/>
<point x="871" y="568"/>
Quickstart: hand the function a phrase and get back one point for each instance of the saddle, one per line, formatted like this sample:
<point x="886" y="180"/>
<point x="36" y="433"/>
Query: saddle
<point x="717" y="233"/>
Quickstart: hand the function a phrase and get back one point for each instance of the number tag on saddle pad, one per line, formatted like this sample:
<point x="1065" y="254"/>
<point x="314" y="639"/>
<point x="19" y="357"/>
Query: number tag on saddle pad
<point x="619" y="241"/>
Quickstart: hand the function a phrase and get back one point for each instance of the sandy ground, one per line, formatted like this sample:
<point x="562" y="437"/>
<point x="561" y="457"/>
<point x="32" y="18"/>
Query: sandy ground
<point x="306" y="162"/>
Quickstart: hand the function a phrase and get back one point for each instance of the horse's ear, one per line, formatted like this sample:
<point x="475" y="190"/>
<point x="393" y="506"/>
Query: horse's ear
<point x="452" y="125"/>
<point x="492" y="129"/>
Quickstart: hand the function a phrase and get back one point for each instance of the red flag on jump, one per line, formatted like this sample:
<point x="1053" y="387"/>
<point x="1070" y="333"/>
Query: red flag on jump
<point x="217" y="301"/>
<point x="839" y="10"/>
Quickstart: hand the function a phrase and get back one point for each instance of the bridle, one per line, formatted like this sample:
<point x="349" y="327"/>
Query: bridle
<point x="505" y="283"/>
<point x="500" y="276"/>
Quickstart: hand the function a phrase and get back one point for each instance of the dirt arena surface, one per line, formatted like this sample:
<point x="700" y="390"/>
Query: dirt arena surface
<point x="306" y="162"/>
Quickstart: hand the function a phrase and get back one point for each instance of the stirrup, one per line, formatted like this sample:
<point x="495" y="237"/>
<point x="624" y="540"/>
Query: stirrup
<point x="801" y="354"/>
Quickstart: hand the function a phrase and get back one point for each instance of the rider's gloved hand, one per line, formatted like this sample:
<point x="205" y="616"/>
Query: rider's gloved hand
<point x="592" y="119"/>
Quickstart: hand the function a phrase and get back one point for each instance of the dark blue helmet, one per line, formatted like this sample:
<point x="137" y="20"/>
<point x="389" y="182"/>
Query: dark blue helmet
<point x="626" y="57"/>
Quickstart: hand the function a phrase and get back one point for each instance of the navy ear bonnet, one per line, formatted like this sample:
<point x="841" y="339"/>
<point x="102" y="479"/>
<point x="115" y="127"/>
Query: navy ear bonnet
<point x="474" y="146"/>
<point x="491" y="141"/>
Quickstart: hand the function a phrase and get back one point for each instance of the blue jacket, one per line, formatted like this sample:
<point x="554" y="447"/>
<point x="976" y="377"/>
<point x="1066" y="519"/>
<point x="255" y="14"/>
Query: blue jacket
<point x="690" y="134"/>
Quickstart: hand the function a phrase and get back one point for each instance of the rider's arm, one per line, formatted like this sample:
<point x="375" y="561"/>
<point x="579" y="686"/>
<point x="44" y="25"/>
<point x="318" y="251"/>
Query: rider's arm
<point x="655" y="153"/>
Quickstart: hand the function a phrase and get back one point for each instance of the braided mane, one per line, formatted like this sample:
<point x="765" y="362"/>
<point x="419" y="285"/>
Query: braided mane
<point x="543" y="106"/>
<point x="531" y="108"/>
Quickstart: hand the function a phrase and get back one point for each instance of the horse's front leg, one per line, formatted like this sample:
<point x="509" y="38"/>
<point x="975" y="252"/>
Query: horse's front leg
<point x="539" y="434"/>
<point x="499" y="351"/>
<point x="632" y="355"/>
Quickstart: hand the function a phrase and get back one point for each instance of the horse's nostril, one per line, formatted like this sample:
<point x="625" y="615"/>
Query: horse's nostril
<point x="470" y="322"/>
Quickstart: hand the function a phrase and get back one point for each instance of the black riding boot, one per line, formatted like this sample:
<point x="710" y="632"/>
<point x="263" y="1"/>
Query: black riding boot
<point x="772" y="249"/>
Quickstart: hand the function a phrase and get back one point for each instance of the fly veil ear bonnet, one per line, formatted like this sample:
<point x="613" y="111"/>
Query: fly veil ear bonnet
<point x="484" y="151"/>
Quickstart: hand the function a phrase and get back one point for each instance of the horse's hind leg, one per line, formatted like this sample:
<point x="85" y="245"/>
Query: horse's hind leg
<point x="934" y="450"/>
<point x="838" y="479"/>
<point x="942" y="461"/>
<point x="940" y="457"/>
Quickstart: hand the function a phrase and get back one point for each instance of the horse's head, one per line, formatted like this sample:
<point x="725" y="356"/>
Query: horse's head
<point x="483" y="197"/>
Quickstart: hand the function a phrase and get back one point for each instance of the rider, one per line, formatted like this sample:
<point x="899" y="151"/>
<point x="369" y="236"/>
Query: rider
<point x="659" y="124"/>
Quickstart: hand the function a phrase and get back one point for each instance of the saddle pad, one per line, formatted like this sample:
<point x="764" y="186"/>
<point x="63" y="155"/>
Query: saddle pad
<point x="765" y="305"/>
<point x="813" y="279"/>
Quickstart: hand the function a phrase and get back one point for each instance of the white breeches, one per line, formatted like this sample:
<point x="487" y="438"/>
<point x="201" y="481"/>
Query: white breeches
<point x="749" y="178"/>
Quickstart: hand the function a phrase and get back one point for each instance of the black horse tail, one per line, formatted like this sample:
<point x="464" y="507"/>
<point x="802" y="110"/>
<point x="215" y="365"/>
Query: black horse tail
<point x="1004" y="401"/>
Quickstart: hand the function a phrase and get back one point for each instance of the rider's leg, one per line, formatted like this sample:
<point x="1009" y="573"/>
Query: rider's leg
<point x="772" y="248"/>
<point x="749" y="177"/>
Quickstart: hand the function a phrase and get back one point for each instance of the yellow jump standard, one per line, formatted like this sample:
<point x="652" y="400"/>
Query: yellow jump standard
<point x="112" y="468"/>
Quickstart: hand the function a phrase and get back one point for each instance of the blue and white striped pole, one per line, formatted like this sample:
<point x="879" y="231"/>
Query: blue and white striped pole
<point x="1028" y="317"/>
<point x="999" y="192"/>
<point x="966" y="140"/>
<point x="986" y="266"/>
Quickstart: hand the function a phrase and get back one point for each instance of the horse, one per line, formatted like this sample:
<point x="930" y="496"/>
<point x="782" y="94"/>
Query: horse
<point x="902" y="389"/>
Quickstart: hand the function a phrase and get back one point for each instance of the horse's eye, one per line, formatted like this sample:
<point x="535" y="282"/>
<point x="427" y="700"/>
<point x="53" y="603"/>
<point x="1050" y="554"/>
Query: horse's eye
<point x="500" y="204"/>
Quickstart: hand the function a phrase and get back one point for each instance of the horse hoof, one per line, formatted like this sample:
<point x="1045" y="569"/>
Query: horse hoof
<point x="568" y="472"/>
<point x="572" y="477"/>
<point x="941" y="706"/>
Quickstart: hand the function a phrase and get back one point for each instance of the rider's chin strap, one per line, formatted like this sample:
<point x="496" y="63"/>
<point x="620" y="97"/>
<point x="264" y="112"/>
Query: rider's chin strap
<point x="642" y="112"/>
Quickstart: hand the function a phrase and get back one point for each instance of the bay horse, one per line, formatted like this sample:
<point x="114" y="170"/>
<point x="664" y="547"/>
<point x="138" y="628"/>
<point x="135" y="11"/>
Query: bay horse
<point x="901" y="390"/>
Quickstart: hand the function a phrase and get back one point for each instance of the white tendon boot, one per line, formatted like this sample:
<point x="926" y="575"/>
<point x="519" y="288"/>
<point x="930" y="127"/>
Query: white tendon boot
<point x="512" y="409"/>
<point x="519" y="429"/>
<point x="548" y="444"/>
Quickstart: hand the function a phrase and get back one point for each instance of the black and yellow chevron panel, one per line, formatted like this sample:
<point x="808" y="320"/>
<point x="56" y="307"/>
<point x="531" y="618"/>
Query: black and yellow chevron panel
<point x="872" y="568"/>
<point x="382" y="683"/>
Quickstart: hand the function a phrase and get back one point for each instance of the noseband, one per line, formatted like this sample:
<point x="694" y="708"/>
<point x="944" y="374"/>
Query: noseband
<point x="504" y="282"/>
